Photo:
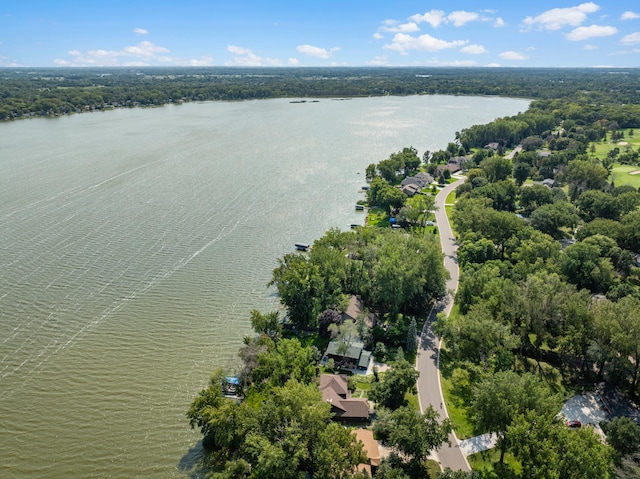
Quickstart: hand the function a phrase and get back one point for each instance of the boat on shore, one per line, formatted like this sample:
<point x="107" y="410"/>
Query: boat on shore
<point x="303" y="246"/>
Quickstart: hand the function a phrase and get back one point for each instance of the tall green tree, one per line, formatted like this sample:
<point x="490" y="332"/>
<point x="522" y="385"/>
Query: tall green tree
<point x="618" y="335"/>
<point x="415" y="435"/>
<point x="496" y="168"/>
<point x="479" y="338"/>
<point x="299" y="286"/>
<point x="582" y="265"/>
<point x="502" y="397"/>
<point x="287" y="360"/>
<point x="397" y="381"/>
<point x="552" y="218"/>
<point x="623" y="435"/>
<point x="412" y="337"/>
<point x="583" y="175"/>
<point x="534" y="196"/>
<point x="268" y="324"/>
<point x="549" y="450"/>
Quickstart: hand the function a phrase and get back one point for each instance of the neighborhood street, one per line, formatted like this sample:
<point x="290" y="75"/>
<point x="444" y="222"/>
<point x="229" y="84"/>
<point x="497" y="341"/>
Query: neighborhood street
<point x="429" y="390"/>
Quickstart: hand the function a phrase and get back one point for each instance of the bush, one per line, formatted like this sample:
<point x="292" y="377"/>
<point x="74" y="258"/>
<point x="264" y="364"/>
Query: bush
<point x="380" y="352"/>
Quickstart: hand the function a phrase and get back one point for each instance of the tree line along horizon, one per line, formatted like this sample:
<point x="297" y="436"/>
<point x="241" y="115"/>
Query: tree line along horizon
<point x="47" y="92"/>
<point x="548" y="304"/>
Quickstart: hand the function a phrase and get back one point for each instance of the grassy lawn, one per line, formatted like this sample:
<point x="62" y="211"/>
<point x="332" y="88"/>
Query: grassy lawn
<point x="620" y="175"/>
<point x="448" y="209"/>
<point x="451" y="198"/>
<point x="432" y="468"/>
<point x="603" y="147"/>
<point x="412" y="401"/>
<point x="485" y="460"/>
<point x="311" y="340"/>
<point x="377" y="217"/>
<point x="363" y="386"/>
<point x="457" y="413"/>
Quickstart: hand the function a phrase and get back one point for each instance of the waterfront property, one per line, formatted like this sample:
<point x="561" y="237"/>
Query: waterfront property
<point x="334" y="390"/>
<point x="355" y="356"/>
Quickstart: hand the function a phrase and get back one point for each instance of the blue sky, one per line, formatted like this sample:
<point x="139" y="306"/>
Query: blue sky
<point x="44" y="33"/>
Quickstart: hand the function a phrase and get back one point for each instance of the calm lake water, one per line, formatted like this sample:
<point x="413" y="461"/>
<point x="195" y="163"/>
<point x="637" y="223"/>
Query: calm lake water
<point x="134" y="243"/>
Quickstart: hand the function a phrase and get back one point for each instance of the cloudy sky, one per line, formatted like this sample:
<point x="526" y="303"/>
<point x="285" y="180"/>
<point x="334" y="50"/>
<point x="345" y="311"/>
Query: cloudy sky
<point x="518" y="33"/>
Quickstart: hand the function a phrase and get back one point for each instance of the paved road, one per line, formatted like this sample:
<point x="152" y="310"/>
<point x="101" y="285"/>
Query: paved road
<point x="429" y="391"/>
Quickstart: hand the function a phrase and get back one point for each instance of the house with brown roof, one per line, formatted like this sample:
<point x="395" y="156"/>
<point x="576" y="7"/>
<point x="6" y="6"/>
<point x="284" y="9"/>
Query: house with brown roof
<point x="425" y="177"/>
<point x="334" y="390"/>
<point x="410" y="190"/>
<point x="371" y="449"/>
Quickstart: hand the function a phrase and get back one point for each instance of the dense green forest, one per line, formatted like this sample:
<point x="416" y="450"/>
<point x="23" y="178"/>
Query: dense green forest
<point x="55" y="91"/>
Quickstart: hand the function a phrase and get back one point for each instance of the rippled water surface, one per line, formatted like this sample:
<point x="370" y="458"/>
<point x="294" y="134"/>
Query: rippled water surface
<point x="134" y="243"/>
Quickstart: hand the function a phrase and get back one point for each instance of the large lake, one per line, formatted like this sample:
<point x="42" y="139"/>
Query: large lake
<point x="134" y="243"/>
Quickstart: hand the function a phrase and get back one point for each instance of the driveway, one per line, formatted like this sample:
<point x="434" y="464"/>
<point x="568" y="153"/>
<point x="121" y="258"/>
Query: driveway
<point x="429" y="388"/>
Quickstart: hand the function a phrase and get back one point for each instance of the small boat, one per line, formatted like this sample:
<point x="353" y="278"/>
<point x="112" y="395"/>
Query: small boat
<point x="359" y="208"/>
<point x="365" y="187"/>
<point x="303" y="246"/>
<point x="354" y="225"/>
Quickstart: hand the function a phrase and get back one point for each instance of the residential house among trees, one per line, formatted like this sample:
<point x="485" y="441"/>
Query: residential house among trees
<point x="371" y="449"/>
<point x="412" y="185"/>
<point x="335" y="390"/>
<point x="355" y="356"/>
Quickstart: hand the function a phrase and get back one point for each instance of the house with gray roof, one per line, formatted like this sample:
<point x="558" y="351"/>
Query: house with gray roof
<point x="355" y="357"/>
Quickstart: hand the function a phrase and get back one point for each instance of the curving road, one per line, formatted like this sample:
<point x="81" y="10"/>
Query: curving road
<point x="429" y="389"/>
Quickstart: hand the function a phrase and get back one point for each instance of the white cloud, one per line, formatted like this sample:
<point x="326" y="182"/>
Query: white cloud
<point x="511" y="55"/>
<point x="631" y="39"/>
<point x="556" y="18"/>
<point x="432" y="17"/>
<point x="459" y="63"/>
<point x="493" y="65"/>
<point x="450" y="63"/>
<point x="293" y="61"/>
<point x="402" y="43"/>
<point x="144" y="49"/>
<point x="316" y="51"/>
<point x="7" y="62"/>
<point x="584" y="33"/>
<point x="140" y="31"/>
<point x="435" y="18"/>
<point x="460" y="17"/>
<point x="247" y="58"/>
<point x="378" y="36"/>
<point x="395" y="27"/>
<point x="201" y="62"/>
<point x="499" y="23"/>
<point x="629" y="16"/>
<point x="144" y="53"/>
<point x="625" y="52"/>
<point x="380" y="60"/>
<point x="590" y="47"/>
<point x="474" y="49"/>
